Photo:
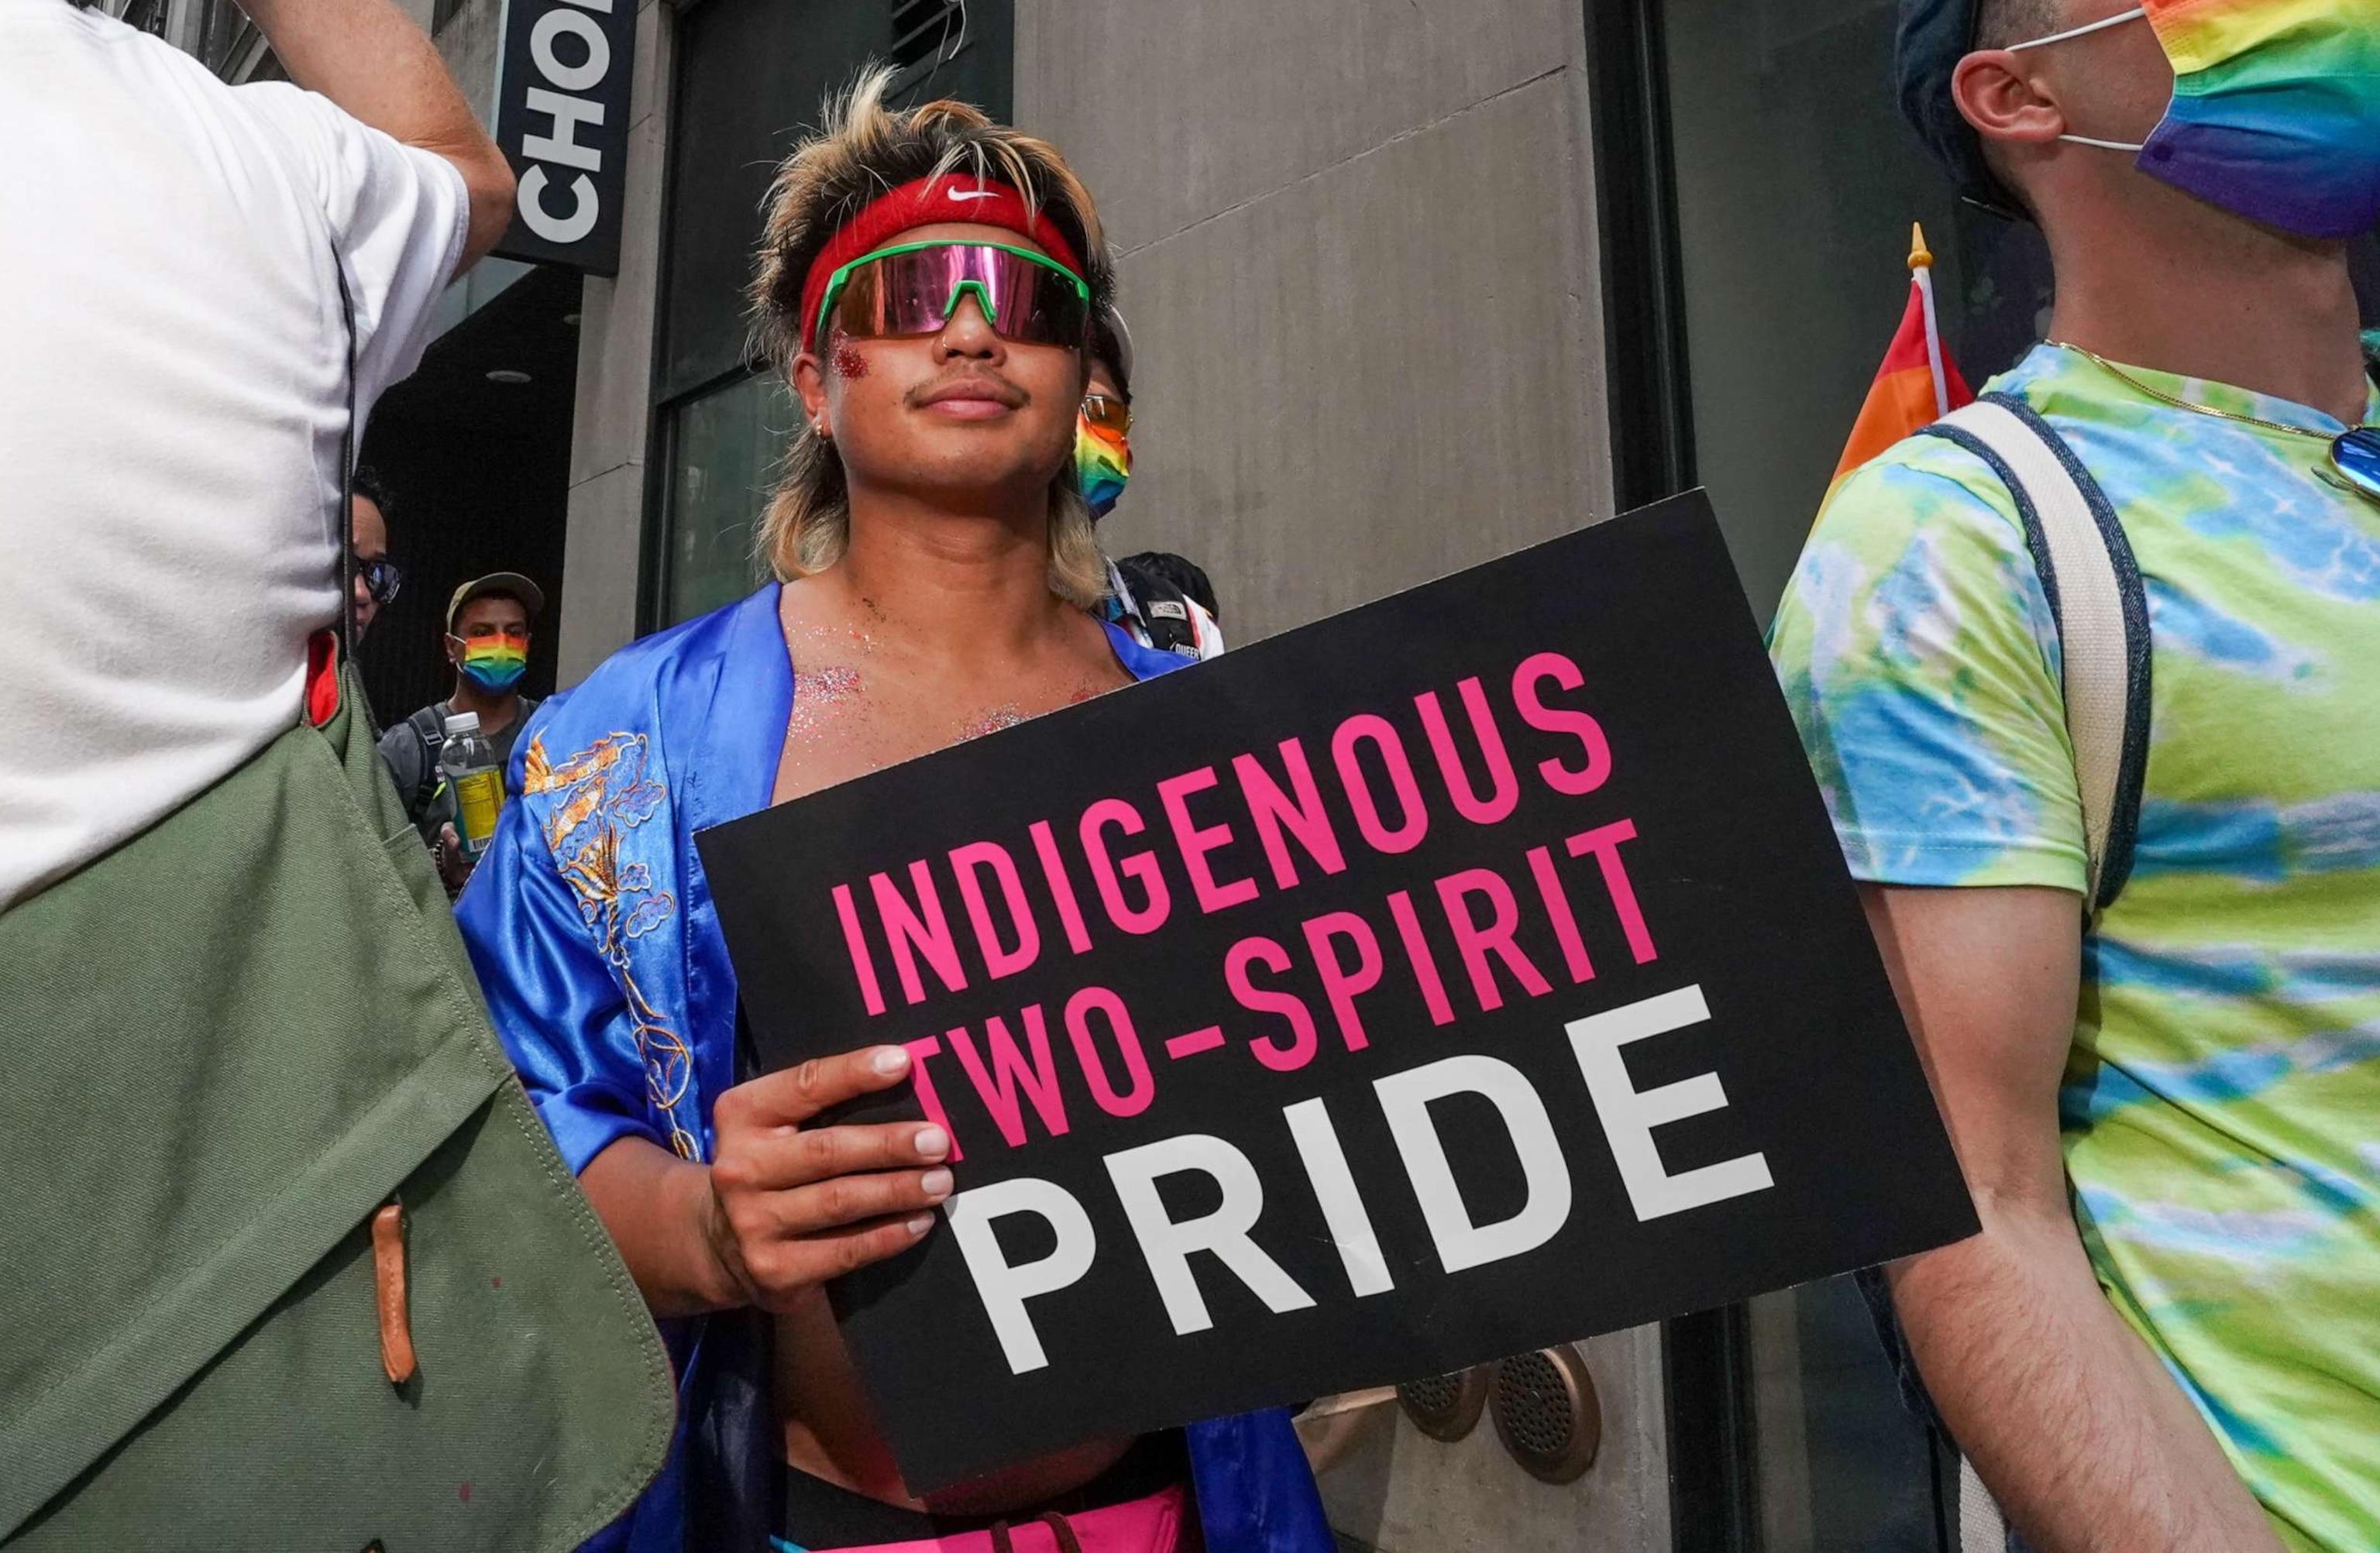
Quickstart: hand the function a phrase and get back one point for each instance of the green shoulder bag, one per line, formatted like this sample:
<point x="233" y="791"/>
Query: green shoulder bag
<point x="287" y="1259"/>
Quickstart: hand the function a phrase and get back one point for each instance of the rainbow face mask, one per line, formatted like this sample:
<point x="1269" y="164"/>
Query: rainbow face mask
<point x="2275" y="110"/>
<point x="1102" y="459"/>
<point x="493" y="663"/>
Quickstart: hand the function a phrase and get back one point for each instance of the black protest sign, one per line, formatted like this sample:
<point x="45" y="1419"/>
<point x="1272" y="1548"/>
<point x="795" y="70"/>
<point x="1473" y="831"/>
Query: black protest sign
<point x="1470" y="972"/>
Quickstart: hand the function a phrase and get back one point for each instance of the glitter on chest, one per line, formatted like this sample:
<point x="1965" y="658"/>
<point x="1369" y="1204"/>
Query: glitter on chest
<point x="990" y="721"/>
<point x="820" y="693"/>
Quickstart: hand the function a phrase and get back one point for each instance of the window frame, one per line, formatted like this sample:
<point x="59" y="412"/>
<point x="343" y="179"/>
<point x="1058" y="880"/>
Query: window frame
<point x="1705" y="1357"/>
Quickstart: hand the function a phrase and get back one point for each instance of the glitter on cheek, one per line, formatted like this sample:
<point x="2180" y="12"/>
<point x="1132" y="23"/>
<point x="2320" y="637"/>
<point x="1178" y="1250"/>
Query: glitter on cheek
<point x="849" y="365"/>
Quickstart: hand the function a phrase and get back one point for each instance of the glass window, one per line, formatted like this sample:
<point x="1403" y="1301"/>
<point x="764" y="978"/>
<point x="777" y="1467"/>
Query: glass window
<point x="724" y="451"/>
<point x="1794" y="201"/>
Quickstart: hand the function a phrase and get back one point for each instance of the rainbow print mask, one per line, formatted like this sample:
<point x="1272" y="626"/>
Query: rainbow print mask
<point x="2275" y="110"/>
<point x="1102" y="464"/>
<point x="493" y="663"/>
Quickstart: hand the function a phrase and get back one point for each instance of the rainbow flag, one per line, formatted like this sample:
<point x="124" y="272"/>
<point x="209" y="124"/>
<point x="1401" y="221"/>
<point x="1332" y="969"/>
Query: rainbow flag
<point x="1918" y="383"/>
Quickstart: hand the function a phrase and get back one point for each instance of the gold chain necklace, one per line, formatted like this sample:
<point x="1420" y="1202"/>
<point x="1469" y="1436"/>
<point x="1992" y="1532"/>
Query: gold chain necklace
<point x="2182" y="404"/>
<point x="2353" y="465"/>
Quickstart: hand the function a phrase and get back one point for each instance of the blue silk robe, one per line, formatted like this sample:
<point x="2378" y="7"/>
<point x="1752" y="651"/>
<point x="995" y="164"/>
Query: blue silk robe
<point x="599" y="949"/>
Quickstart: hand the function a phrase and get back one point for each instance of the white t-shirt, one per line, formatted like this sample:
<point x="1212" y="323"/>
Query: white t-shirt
<point x="172" y="389"/>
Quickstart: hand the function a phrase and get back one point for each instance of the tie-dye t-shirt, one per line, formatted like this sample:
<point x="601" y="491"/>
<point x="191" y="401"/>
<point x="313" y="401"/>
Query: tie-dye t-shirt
<point x="2221" y="1105"/>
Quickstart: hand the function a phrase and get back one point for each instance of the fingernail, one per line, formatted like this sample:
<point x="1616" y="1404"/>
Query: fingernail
<point x="921" y="1223"/>
<point x="932" y="1143"/>
<point x="889" y="1059"/>
<point x="936" y="1185"/>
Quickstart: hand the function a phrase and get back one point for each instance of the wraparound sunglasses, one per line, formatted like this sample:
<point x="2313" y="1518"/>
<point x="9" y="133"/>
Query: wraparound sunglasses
<point x="912" y="289"/>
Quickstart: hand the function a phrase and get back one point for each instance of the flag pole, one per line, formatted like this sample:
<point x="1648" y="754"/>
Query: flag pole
<point x="1921" y="270"/>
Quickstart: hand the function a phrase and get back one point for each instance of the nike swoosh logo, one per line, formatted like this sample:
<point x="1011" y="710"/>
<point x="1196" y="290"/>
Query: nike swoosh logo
<point x="978" y="194"/>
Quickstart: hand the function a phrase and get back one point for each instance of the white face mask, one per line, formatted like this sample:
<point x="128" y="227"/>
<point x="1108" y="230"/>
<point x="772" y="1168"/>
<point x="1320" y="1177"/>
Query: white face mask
<point x="2136" y="14"/>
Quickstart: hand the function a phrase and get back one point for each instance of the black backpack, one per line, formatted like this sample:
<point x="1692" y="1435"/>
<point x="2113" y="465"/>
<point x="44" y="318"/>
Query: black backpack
<point x="1160" y="589"/>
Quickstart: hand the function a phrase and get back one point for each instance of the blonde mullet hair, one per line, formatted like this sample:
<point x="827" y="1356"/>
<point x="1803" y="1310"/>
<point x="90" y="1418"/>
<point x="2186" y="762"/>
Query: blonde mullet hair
<point x="864" y="148"/>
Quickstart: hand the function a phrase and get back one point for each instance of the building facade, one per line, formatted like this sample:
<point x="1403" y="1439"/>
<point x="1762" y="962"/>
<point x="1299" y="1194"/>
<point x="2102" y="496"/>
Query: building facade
<point x="1411" y="284"/>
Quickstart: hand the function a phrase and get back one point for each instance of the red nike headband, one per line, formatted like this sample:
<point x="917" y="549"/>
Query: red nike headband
<point x="928" y="202"/>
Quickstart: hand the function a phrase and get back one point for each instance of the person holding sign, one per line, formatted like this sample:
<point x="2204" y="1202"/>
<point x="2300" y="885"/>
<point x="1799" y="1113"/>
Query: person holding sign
<point x="2140" y="947"/>
<point x="926" y="283"/>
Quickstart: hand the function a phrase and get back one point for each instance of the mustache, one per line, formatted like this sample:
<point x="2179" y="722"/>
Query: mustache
<point x="967" y="383"/>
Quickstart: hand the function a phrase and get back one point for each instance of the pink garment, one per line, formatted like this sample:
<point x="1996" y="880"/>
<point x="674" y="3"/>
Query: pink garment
<point x="1149" y="1526"/>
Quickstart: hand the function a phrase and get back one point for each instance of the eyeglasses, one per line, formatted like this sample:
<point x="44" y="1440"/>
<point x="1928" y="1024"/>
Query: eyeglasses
<point x="381" y="579"/>
<point x="1107" y="414"/>
<point x="913" y="289"/>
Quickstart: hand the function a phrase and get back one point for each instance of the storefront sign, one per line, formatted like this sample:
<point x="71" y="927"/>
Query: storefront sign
<point x="561" y="117"/>
<point x="1473" y="971"/>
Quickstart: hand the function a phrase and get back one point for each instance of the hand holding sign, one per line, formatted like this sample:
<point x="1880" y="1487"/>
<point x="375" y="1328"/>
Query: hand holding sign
<point x="1470" y="972"/>
<point x="793" y="1205"/>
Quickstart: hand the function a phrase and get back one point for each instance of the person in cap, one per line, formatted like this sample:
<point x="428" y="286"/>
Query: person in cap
<point x="926" y="285"/>
<point x="487" y="641"/>
<point x="2153" y="1037"/>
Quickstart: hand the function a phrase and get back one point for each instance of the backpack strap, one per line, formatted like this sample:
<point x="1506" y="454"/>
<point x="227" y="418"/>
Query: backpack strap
<point x="2101" y="614"/>
<point x="2094" y="586"/>
<point x="347" y="441"/>
<point x="329" y="649"/>
<point x="428" y="725"/>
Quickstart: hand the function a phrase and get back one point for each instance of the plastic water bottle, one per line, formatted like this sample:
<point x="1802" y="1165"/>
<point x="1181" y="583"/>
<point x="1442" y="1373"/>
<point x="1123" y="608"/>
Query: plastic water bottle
<point x="468" y="762"/>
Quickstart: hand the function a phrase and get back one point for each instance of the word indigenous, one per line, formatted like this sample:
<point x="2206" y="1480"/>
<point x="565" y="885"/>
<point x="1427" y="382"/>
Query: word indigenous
<point x="1280" y="811"/>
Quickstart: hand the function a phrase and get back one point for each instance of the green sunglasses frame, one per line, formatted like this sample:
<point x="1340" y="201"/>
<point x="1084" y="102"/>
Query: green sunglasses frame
<point x="836" y="282"/>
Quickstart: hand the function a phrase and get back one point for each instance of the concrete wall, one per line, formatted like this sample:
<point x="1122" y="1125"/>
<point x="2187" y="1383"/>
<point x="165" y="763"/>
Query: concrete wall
<point x="1356" y="242"/>
<point x="468" y="43"/>
<point x="1358" y="267"/>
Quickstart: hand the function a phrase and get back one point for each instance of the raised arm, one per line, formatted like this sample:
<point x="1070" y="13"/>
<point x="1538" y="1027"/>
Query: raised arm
<point x="369" y="58"/>
<point x="2076" y="1428"/>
